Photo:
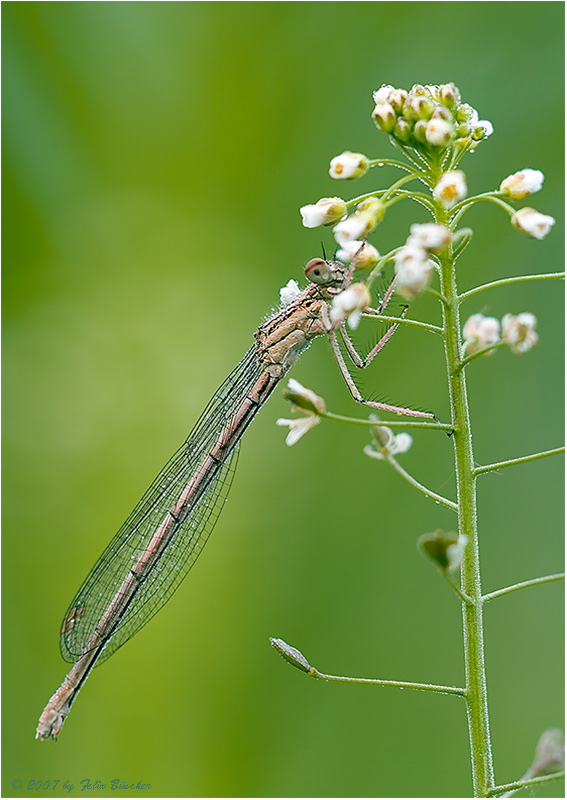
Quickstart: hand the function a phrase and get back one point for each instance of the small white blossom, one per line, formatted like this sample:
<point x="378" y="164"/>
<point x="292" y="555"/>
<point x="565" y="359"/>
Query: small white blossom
<point x="348" y="165"/>
<point x="350" y="304"/>
<point x="325" y="211"/>
<point x="382" y="95"/>
<point x="532" y="223"/>
<point x="289" y="293"/>
<point x="366" y="254"/>
<point x="357" y="226"/>
<point x="522" y="183"/>
<point x="298" y="427"/>
<point x="413" y="271"/>
<point x="451" y="188"/>
<point x="386" y="444"/>
<point x="430" y="236"/>
<point x="479" y="332"/>
<point x="519" y="331"/>
<point x="303" y="398"/>
<point x="439" y="132"/>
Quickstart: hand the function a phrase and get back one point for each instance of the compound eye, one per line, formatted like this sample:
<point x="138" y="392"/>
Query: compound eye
<point x="317" y="271"/>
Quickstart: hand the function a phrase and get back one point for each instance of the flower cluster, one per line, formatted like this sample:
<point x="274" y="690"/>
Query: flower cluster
<point x="515" y="330"/>
<point x="428" y="117"/>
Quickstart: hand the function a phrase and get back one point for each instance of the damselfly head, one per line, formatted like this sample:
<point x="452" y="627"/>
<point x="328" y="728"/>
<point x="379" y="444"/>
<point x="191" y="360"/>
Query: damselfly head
<point x="325" y="273"/>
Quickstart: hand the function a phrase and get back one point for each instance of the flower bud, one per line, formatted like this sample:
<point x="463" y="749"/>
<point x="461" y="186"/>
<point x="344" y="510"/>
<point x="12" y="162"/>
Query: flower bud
<point x="303" y="398"/>
<point x="519" y="332"/>
<point x="397" y="98"/>
<point x="522" y="183"/>
<point x="451" y="188"/>
<point x="430" y="236"/>
<point x="385" y="117"/>
<point x="291" y="655"/>
<point x="480" y="332"/>
<point x="413" y="271"/>
<point x="358" y="225"/>
<point x="348" y="166"/>
<point x="402" y="130"/>
<point x="449" y="95"/>
<point x="365" y="254"/>
<point x="439" y="132"/>
<point x="382" y="95"/>
<point x="532" y="223"/>
<point x="325" y="211"/>
<point x="350" y="304"/>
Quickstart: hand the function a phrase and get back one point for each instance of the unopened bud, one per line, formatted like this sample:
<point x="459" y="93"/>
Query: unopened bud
<point x="291" y="655"/>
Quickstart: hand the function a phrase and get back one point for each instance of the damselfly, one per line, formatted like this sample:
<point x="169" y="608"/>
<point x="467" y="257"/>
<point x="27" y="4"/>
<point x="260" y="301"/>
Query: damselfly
<point x="161" y="539"/>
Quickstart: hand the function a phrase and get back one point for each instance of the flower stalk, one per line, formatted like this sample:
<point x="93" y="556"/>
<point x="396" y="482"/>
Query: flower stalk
<point x="476" y="697"/>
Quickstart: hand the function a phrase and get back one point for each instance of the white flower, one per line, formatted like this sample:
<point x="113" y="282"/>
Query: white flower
<point x="385" y="444"/>
<point x="479" y="332"/>
<point x="532" y="223"/>
<point x="350" y="304"/>
<point x="519" y="332"/>
<point x="303" y="398"/>
<point x="348" y="166"/>
<point x="522" y="183"/>
<point x="413" y="271"/>
<point x="325" y="211"/>
<point x="366" y="254"/>
<point x="298" y="427"/>
<point x="439" y="132"/>
<point x="357" y="226"/>
<point x="382" y="94"/>
<point x="451" y="187"/>
<point x="308" y="403"/>
<point x="289" y="293"/>
<point x="430" y="236"/>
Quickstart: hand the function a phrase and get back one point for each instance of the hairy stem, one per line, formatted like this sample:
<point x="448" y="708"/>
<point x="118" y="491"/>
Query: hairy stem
<point x="475" y="692"/>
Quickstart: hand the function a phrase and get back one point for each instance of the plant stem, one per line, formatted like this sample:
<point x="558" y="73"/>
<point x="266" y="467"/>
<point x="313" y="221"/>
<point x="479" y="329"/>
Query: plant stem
<point x="475" y="692"/>
<point x="507" y="281"/>
<point x="513" y="461"/>
<point x="422" y="687"/>
<point x="559" y="576"/>
<point x="444" y="501"/>
<point x="507" y="788"/>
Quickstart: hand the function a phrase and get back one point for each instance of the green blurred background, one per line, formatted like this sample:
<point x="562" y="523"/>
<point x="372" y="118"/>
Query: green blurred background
<point x="155" y="157"/>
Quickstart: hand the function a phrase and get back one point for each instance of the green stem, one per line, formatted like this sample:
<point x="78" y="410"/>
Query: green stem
<point x="482" y="352"/>
<point x="395" y="423"/>
<point x="403" y="321"/>
<point x="476" y="691"/>
<point x="427" y="492"/>
<point x="499" y="791"/>
<point x="513" y="461"/>
<point x="507" y="281"/>
<point x="423" y="687"/>
<point x="559" y="576"/>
